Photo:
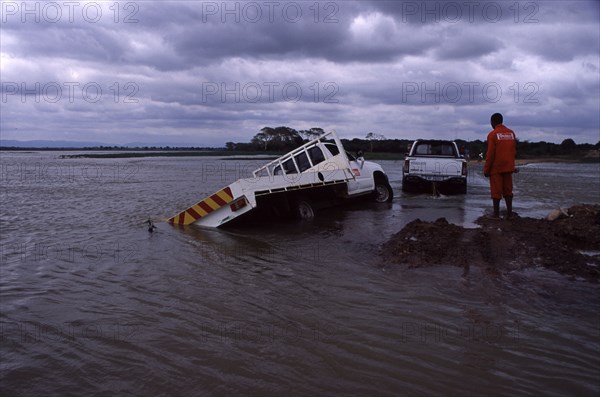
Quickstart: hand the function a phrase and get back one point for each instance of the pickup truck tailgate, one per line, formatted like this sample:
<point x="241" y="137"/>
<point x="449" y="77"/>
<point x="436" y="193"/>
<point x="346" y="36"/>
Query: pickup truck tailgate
<point x="434" y="168"/>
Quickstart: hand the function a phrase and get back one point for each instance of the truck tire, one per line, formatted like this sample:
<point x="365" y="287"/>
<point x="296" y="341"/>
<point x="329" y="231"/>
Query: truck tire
<point x="303" y="209"/>
<point x="383" y="192"/>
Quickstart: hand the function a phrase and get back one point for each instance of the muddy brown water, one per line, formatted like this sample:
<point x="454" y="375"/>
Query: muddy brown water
<point x="94" y="304"/>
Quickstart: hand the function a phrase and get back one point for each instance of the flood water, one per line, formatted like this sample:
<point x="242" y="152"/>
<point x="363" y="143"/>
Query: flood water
<point x="93" y="304"/>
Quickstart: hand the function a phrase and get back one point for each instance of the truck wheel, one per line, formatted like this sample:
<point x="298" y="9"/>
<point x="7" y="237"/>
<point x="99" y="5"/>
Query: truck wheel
<point x="383" y="192"/>
<point x="304" y="210"/>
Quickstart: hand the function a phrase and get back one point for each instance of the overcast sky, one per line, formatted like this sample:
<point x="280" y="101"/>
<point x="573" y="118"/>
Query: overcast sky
<point x="204" y="73"/>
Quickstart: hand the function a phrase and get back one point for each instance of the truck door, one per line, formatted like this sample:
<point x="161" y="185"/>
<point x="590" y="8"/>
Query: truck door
<point x="363" y="181"/>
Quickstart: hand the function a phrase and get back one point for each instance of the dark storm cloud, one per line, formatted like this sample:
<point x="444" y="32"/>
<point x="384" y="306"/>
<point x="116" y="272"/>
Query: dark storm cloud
<point x="214" y="40"/>
<point x="219" y="71"/>
<point x="561" y="46"/>
<point x="96" y="45"/>
<point x="206" y="44"/>
<point x="206" y="32"/>
<point x="467" y="46"/>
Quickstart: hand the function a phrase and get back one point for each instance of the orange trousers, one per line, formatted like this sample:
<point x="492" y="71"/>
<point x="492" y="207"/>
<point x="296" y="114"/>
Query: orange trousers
<point x="501" y="185"/>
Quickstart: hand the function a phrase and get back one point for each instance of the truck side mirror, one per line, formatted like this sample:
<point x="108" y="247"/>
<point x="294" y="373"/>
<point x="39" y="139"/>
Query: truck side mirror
<point x="359" y="158"/>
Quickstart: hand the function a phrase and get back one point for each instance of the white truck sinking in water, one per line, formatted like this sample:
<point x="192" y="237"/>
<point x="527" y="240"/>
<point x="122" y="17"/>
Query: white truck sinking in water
<point x="317" y="174"/>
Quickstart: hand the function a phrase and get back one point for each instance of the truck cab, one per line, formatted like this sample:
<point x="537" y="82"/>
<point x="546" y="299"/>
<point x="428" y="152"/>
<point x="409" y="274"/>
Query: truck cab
<point x="326" y="157"/>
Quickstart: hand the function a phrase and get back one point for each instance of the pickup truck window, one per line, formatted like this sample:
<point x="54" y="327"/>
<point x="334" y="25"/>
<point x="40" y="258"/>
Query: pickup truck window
<point x="434" y="149"/>
<point x="302" y="161"/>
<point x="332" y="148"/>
<point x="316" y="155"/>
<point x="289" y="167"/>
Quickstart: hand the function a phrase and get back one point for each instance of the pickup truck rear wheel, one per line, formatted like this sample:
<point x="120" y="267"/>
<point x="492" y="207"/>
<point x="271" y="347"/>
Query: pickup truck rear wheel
<point x="303" y="209"/>
<point x="383" y="192"/>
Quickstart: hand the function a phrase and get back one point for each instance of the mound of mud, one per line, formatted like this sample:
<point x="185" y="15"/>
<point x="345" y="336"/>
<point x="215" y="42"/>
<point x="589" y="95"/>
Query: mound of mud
<point x="569" y="245"/>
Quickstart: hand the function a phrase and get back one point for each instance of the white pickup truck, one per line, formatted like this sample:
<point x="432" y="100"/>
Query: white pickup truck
<point x="434" y="166"/>
<point x="317" y="174"/>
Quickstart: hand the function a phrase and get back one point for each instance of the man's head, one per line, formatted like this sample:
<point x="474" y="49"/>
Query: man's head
<point x="496" y="119"/>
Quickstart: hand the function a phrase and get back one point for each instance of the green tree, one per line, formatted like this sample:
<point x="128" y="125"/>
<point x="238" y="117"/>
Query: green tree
<point x="568" y="145"/>
<point x="372" y="137"/>
<point x="312" y="133"/>
<point x="263" y="138"/>
<point x="279" y="138"/>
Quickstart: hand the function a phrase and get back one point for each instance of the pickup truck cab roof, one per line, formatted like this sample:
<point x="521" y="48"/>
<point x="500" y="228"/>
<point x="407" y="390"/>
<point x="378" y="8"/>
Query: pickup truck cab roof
<point x="434" y="147"/>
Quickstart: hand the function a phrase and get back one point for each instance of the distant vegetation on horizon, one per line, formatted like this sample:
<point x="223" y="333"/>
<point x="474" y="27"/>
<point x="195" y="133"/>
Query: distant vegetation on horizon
<point x="282" y="139"/>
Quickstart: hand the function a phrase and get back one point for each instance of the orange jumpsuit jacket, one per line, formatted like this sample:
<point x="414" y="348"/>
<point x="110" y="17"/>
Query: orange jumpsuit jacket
<point x="501" y="151"/>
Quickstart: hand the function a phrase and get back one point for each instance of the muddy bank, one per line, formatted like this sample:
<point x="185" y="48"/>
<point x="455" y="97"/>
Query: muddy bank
<point x="569" y="245"/>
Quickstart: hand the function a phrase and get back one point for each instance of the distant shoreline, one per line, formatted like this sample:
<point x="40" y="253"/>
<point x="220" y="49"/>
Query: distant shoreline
<point x="179" y="153"/>
<point x="546" y="159"/>
<point x="271" y="156"/>
<point x="589" y="157"/>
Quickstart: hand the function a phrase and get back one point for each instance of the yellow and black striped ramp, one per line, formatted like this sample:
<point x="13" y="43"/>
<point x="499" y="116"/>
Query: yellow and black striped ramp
<point x="203" y="208"/>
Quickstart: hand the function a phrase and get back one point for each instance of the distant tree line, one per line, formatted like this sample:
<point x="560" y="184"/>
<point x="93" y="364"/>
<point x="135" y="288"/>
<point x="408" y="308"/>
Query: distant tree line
<point x="283" y="139"/>
<point x="278" y="139"/>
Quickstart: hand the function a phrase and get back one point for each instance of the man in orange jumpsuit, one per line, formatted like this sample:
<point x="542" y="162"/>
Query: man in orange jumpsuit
<point x="500" y="163"/>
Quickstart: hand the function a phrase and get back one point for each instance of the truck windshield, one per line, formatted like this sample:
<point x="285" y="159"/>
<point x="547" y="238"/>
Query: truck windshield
<point x="332" y="148"/>
<point x="316" y="155"/>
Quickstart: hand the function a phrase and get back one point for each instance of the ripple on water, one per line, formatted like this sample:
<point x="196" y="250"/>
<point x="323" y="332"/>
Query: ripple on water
<point x="94" y="304"/>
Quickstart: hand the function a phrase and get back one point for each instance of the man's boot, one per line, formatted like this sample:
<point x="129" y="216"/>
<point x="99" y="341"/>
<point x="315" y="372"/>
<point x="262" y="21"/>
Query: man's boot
<point x="508" y="207"/>
<point x="496" y="208"/>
